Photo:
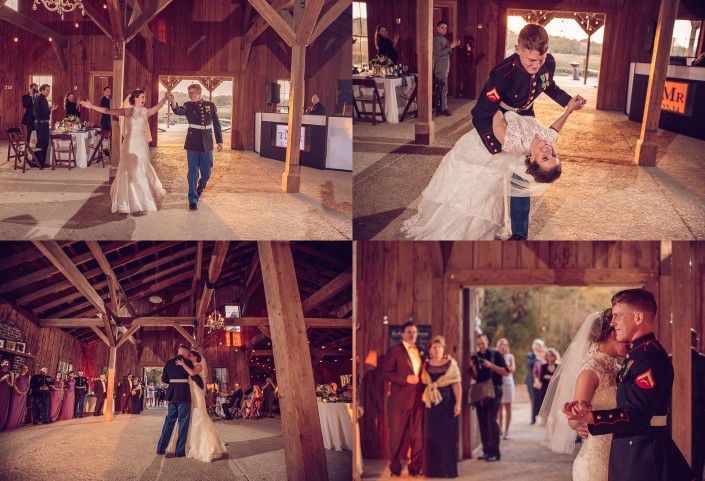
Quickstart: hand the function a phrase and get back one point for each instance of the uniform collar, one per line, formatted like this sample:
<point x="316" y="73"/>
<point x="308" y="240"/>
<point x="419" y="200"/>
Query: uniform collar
<point x="637" y="343"/>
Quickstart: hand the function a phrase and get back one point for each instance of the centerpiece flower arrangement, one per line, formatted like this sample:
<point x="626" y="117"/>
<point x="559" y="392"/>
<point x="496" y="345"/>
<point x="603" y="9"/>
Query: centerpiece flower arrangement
<point x="325" y="391"/>
<point x="69" y="124"/>
<point x="381" y="65"/>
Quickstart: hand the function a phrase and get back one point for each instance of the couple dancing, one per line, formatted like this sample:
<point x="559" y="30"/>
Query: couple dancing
<point x="136" y="187"/>
<point x="196" y="436"/>
<point x="621" y="412"/>
<point x="508" y="153"/>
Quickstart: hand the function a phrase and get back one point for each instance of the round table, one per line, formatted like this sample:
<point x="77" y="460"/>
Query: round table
<point x="219" y="405"/>
<point x="81" y="141"/>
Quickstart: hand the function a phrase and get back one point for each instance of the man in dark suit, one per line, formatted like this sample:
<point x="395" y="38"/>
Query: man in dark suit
<point x="28" y="105"/>
<point x="39" y="384"/>
<point x="99" y="388"/>
<point x="234" y="401"/>
<point x="316" y="107"/>
<point x="698" y="406"/>
<point x="536" y="352"/>
<point x="178" y="397"/>
<point x="42" y="117"/>
<point x="105" y="119"/>
<point x="402" y="367"/>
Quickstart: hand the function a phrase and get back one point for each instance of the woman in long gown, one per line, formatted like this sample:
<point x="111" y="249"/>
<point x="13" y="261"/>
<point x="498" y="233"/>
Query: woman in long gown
<point x="69" y="397"/>
<point x="18" y="405"/>
<point x="202" y="441"/>
<point x="465" y="198"/>
<point x="588" y="373"/>
<point x="136" y="396"/>
<point x="547" y="371"/>
<point x="443" y="405"/>
<point x="136" y="187"/>
<point x="55" y="398"/>
<point x="7" y="380"/>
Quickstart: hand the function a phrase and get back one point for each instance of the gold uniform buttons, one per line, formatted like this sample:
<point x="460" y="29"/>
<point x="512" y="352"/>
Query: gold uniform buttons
<point x="631" y="443"/>
<point x="599" y="417"/>
<point x="627" y="356"/>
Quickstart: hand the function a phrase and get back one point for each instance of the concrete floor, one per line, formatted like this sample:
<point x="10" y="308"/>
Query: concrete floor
<point x="243" y="200"/>
<point x="90" y="449"/>
<point x="523" y="457"/>
<point x="601" y="194"/>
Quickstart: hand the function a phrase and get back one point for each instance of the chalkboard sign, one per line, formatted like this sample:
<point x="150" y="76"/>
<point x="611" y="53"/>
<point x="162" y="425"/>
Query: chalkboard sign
<point x="422" y="340"/>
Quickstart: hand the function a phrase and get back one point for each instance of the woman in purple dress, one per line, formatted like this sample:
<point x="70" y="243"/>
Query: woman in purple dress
<point x="18" y="405"/>
<point x="57" y="394"/>
<point x="7" y="380"/>
<point x="69" y="397"/>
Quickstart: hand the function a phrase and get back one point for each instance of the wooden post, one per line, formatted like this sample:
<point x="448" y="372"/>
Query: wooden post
<point x="118" y="81"/>
<point x="111" y="384"/>
<point x="303" y="442"/>
<point x="646" y="147"/>
<point x="291" y="179"/>
<point x="683" y="295"/>
<point x="424" y="129"/>
<point x="357" y="455"/>
<point x="587" y="61"/>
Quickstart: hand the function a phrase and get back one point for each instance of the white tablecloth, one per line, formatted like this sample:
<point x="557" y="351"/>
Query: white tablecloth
<point x="336" y="425"/>
<point x="219" y="405"/>
<point x="392" y="89"/>
<point x="81" y="140"/>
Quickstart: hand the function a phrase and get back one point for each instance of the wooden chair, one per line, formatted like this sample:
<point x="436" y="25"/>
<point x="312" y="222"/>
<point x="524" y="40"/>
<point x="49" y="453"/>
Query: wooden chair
<point x="57" y="150"/>
<point x="32" y="158"/>
<point x="98" y="148"/>
<point x="19" y="151"/>
<point x="375" y="99"/>
<point x="411" y="100"/>
<point x="11" y="153"/>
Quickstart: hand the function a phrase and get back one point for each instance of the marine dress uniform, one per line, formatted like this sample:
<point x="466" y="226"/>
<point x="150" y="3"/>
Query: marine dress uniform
<point x="203" y="121"/>
<point x="511" y="87"/>
<point x="642" y="448"/>
<point x="178" y="397"/>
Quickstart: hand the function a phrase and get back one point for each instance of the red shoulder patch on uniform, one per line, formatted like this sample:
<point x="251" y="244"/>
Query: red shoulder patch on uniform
<point x="493" y="95"/>
<point x="646" y="380"/>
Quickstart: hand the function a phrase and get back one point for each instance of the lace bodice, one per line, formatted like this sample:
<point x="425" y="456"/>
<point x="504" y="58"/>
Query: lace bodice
<point x="135" y="122"/>
<point x="521" y="131"/>
<point x="606" y="369"/>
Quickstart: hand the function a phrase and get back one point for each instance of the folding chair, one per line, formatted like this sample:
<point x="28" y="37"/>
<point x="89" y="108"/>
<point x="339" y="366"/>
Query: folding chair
<point x="375" y="99"/>
<point x="411" y="100"/>
<point x="12" y="153"/>
<point x="98" y="148"/>
<point x="57" y="150"/>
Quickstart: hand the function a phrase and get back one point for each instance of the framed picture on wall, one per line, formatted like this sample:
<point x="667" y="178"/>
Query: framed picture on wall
<point x="2" y="343"/>
<point x="21" y="346"/>
<point x="10" y="345"/>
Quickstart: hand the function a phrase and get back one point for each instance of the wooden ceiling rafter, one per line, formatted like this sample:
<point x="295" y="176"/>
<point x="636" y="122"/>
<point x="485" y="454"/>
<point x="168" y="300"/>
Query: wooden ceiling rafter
<point x="220" y="252"/>
<point x="98" y="18"/>
<point x="336" y="9"/>
<point x="150" y="12"/>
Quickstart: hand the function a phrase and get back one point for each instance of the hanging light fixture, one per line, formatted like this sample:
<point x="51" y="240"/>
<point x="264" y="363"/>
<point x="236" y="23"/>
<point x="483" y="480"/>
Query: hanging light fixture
<point x="60" y="6"/>
<point x="215" y="320"/>
<point x="155" y="298"/>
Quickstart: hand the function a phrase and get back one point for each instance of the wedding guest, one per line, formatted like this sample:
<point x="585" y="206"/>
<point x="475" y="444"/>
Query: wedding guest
<point x="233" y="403"/>
<point x="385" y="45"/>
<point x="488" y="364"/>
<point x="162" y="394"/>
<point x="42" y="117"/>
<point x="507" y="387"/>
<point x="28" y="100"/>
<point x="99" y="388"/>
<point x="442" y="50"/>
<point x="7" y="380"/>
<point x="268" y="391"/>
<point x="69" y="403"/>
<point x="57" y="395"/>
<point x="40" y="384"/>
<point x="698" y="404"/>
<point x="105" y="119"/>
<point x="252" y="402"/>
<point x="442" y="398"/>
<point x="81" y="389"/>
<point x="537" y="350"/>
<point x="348" y="393"/>
<point x="150" y="394"/>
<point x="18" y="405"/>
<point x="70" y="105"/>
<point x="316" y="107"/>
<point x="136" y="396"/>
<point x="547" y="371"/>
<point x="126" y="394"/>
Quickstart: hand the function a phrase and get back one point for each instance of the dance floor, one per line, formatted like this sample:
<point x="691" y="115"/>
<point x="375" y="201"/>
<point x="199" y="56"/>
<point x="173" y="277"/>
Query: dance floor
<point x="125" y="449"/>
<point x="243" y="200"/>
<point x="601" y="194"/>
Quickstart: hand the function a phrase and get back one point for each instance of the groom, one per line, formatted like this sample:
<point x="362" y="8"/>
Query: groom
<point x="178" y="397"/>
<point x="642" y="448"/>
<point x="203" y="120"/>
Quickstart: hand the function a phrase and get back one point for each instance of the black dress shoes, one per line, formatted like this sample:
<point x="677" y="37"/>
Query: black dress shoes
<point x="517" y="237"/>
<point x="483" y="456"/>
<point x="199" y="191"/>
<point x="192" y="206"/>
<point x="446" y="113"/>
<point x="491" y="459"/>
<point x="161" y="453"/>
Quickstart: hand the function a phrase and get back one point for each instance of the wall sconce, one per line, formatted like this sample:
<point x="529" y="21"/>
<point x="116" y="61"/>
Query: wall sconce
<point x="411" y="318"/>
<point x="398" y="21"/>
<point x="385" y="320"/>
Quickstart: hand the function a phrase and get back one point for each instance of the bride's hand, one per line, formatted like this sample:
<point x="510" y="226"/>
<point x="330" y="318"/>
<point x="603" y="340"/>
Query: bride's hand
<point x="583" y="431"/>
<point x="86" y="104"/>
<point x="179" y="362"/>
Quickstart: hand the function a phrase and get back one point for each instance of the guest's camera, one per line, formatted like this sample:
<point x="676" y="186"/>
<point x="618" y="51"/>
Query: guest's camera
<point x="35" y="91"/>
<point x="475" y="359"/>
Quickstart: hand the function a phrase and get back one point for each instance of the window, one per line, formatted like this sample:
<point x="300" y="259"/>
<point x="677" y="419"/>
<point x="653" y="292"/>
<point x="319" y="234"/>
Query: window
<point x="284" y="88"/>
<point x="220" y="377"/>
<point x="361" y="51"/>
<point x="41" y="80"/>
<point x="12" y="4"/>
<point x="65" y="367"/>
<point x="685" y="38"/>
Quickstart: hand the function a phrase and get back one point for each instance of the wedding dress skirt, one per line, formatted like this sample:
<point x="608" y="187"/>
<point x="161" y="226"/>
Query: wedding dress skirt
<point x="136" y="187"/>
<point x="202" y="441"/>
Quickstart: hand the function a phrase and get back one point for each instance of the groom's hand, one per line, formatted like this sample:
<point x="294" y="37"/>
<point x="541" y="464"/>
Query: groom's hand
<point x="220" y="147"/>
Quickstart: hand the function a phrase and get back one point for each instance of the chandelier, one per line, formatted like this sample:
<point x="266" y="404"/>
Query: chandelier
<point x="60" y="6"/>
<point x="215" y="320"/>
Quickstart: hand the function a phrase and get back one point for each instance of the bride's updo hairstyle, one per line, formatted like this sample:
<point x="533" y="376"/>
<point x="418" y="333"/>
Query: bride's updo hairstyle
<point x="134" y="95"/>
<point x="540" y="175"/>
<point x="197" y="355"/>
<point x="602" y="329"/>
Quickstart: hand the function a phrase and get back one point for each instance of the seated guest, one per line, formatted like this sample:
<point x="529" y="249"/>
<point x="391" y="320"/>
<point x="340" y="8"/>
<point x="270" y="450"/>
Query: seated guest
<point x="70" y="105"/>
<point x="250" y="402"/>
<point x="18" y="405"/>
<point x="233" y="403"/>
<point x="56" y="397"/>
<point x="316" y="107"/>
<point x="347" y="395"/>
<point x="39" y="384"/>
<point x="67" y="406"/>
<point x="384" y="45"/>
<point x="334" y="387"/>
<point x="7" y="381"/>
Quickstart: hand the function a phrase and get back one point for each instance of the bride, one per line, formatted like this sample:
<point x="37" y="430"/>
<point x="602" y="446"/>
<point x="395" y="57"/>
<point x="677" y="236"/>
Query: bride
<point x="588" y="373"/>
<point x="202" y="441"/>
<point x="465" y="198"/>
<point x="136" y="187"/>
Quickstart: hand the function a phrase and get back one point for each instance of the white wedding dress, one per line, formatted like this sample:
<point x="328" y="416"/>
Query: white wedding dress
<point x="465" y="198"/>
<point x="592" y="462"/>
<point x="202" y="441"/>
<point x="136" y="187"/>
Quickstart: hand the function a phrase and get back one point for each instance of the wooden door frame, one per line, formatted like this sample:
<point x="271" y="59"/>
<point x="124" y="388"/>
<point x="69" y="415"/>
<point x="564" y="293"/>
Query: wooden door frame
<point x="92" y="75"/>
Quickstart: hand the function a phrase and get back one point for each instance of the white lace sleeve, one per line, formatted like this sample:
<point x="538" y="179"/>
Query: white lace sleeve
<point x="521" y="131"/>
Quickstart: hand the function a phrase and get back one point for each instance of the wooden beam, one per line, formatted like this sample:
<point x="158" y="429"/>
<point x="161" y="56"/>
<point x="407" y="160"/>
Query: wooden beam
<point x="647" y="147"/>
<point x="186" y="335"/>
<point x="100" y="335"/>
<point x="127" y="334"/>
<point x="318" y="322"/>
<point x="105" y="266"/>
<point x="59" y="52"/>
<point x="275" y="21"/>
<point x="291" y="178"/>
<point x="217" y="259"/>
<point x="98" y="18"/>
<point x="357" y="476"/>
<point x="26" y="23"/>
<point x="210" y="337"/>
<point x="150" y="12"/>
<point x="537" y="277"/>
<point x="424" y="130"/>
<point x="312" y="11"/>
<point x="112" y="356"/>
<point x="108" y="330"/>
<point x="303" y="442"/>
<point x="255" y="31"/>
<point x="197" y="274"/>
<point x="338" y="7"/>
<point x="343" y="281"/>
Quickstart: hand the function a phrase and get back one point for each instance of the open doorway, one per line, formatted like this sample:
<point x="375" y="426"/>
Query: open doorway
<point x="152" y="377"/>
<point x="97" y="83"/>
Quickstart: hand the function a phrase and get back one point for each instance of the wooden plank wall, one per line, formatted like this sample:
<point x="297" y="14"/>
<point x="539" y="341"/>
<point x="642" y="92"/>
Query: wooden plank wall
<point x="208" y="45"/>
<point x="402" y="279"/>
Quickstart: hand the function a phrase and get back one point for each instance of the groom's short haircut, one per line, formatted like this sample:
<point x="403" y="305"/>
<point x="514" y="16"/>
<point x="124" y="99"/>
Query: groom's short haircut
<point x="534" y="37"/>
<point x="639" y="299"/>
<point x="195" y="87"/>
<point x="183" y="346"/>
<point x="407" y="324"/>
